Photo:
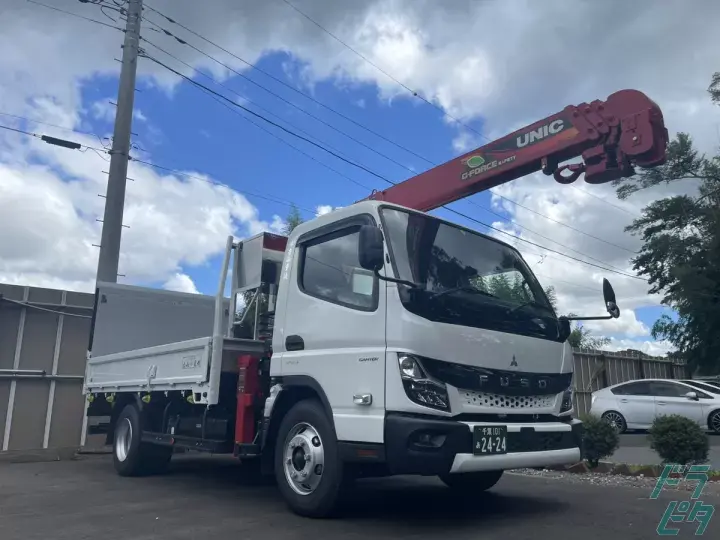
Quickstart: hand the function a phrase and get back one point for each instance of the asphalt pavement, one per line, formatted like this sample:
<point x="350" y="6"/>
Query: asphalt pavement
<point x="212" y="498"/>
<point x="635" y="449"/>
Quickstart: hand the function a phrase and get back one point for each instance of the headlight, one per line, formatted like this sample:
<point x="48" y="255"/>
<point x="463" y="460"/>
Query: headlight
<point x="419" y="388"/>
<point x="567" y="401"/>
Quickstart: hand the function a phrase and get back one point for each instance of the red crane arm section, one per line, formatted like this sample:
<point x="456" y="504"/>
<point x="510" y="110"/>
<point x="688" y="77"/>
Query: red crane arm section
<point x="612" y="136"/>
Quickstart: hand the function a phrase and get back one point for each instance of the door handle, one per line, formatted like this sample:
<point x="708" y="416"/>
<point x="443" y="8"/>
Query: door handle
<point x="362" y="399"/>
<point x="623" y="401"/>
<point x="294" y="343"/>
<point x="661" y="403"/>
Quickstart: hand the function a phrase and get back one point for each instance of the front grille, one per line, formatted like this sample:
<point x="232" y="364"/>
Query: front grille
<point x="483" y="399"/>
<point x="538" y="441"/>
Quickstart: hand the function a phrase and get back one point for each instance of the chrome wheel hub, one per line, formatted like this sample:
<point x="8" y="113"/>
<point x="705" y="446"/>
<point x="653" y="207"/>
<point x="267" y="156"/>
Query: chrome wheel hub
<point x="123" y="439"/>
<point x="614" y="420"/>
<point x="303" y="459"/>
<point x="715" y="422"/>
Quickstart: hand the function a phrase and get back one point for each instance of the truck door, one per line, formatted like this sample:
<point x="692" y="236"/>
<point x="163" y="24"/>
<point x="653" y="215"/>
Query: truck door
<point x="334" y="329"/>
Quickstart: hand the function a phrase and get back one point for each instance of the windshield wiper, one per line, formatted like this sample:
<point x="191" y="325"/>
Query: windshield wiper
<point x="464" y="288"/>
<point x="533" y="303"/>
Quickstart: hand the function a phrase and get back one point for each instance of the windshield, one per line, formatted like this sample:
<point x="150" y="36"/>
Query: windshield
<point x="464" y="277"/>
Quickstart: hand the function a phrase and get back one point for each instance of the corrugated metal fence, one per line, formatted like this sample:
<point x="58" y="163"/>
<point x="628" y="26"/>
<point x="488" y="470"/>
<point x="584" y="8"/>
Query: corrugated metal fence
<point x="598" y="369"/>
<point x="43" y="343"/>
<point x="43" y="340"/>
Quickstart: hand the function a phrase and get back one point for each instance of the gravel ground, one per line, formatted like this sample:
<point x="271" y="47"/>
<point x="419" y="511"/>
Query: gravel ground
<point x="614" y="480"/>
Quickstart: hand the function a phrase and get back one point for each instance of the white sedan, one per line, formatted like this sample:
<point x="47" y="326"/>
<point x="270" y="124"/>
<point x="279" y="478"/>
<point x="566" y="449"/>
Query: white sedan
<point x="635" y="404"/>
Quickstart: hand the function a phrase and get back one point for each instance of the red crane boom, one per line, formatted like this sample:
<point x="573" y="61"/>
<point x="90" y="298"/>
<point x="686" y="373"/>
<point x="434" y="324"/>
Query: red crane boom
<point x="612" y="136"/>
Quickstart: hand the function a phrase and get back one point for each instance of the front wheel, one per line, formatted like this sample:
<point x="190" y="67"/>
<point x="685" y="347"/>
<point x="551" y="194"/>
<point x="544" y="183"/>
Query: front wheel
<point x="474" y="482"/>
<point x="308" y="470"/>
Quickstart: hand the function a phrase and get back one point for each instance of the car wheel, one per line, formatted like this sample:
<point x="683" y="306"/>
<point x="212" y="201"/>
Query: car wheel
<point x="308" y="469"/>
<point x="616" y="420"/>
<point x="714" y="422"/>
<point x="474" y="482"/>
<point x="131" y="457"/>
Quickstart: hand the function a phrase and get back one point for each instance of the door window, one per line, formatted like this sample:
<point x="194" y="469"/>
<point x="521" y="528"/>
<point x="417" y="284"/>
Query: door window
<point x="331" y="271"/>
<point x="668" y="389"/>
<point x="640" y="388"/>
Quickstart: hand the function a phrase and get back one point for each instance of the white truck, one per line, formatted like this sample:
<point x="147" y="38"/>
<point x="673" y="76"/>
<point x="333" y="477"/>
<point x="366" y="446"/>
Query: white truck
<point x="375" y="340"/>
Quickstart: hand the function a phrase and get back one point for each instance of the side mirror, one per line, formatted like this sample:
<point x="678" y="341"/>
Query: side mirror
<point x="610" y="302"/>
<point x="370" y="249"/>
<point x="565" y="330"/>
<point x="692" y="396"/>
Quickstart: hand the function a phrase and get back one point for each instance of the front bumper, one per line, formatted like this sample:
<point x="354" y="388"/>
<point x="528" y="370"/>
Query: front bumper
<point x="430" y="446"/>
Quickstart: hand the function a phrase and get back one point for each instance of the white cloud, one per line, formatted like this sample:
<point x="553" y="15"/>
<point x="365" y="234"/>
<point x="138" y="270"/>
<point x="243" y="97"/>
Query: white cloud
<point x="323" y="209"/>
<point x="181" y="283"/>
<point x="102" y="109"/>
<point x="652" y="348"/>
<point x="48" y="217"/>
<point x="492" y="60"/>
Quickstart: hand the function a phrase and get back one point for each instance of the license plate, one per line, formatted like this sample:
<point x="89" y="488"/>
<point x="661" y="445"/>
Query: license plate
<point x="489" y="440"/>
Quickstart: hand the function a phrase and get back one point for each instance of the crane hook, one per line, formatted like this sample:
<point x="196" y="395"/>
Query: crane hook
<point x="576" y="170"/>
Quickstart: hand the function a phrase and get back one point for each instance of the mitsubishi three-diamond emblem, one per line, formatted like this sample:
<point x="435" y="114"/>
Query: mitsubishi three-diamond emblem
<point x="514" y="362"/>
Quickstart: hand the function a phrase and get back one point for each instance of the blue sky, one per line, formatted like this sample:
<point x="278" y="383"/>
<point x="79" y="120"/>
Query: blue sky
<point x="189" y="131"/>
<point x="496" y="78"/>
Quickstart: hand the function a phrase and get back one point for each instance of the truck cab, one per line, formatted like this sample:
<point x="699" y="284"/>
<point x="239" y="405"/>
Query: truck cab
<point x="433" y="349"/>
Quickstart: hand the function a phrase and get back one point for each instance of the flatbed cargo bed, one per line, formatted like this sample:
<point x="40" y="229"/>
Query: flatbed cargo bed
<point x="183" y="365"/>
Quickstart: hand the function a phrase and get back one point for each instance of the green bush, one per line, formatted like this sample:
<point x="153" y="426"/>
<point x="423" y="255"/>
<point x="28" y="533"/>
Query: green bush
<point x="679" y="440"/>
<point x="599" y="439"/>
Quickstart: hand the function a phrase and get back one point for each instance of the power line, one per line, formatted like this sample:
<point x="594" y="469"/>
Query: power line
<point x="415" y="93"/>
<point x="220" y="184"/>
<point x="72" y="130"/>
<point x="285" y="142"/>
<point x="204" y="88"/>
<point x="200" y="85"/>
<point x="267" y="120"/>
<point x="300" y="130"/>
<point x="71" y="145"/>
<point x="77" y="146"/>
<point x="285" y="84"/>
<point x="76" y="15"/>
<point x="320" y="146"/>
<point x="540" y="246"/>
<point x="533" y="232"/>
<point x="562" y="224"/>
<point x="278" y="96"/>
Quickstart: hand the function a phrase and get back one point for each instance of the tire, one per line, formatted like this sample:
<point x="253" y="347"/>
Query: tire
<point x="615" y="419"/>
<point x="714" y="422"/>
<point x="474" y="482"/>
<point x="307" y="445"/>
<point x="131" y="457"/>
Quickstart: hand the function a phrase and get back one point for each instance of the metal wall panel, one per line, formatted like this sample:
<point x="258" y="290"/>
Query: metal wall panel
<point x="43" y="348"/>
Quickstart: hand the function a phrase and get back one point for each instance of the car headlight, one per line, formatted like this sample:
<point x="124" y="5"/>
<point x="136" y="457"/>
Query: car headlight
<point x="418" y="387"/>
<point x="567" y="401"/>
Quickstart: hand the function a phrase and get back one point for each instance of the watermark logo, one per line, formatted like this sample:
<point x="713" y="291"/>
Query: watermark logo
<point x="690" y="511"/>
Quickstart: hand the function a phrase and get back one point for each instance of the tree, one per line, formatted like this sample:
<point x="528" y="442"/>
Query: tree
<point x="680" y="255"/>
<point x="292" y="220"/>
<point x="582" y="338"/>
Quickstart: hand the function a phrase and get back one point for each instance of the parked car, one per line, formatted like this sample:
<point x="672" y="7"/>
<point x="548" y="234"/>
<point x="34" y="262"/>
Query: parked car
<point x="635" y="404"/>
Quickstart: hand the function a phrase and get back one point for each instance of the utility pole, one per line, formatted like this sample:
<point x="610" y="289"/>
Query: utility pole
<point x="120" y="152"/>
